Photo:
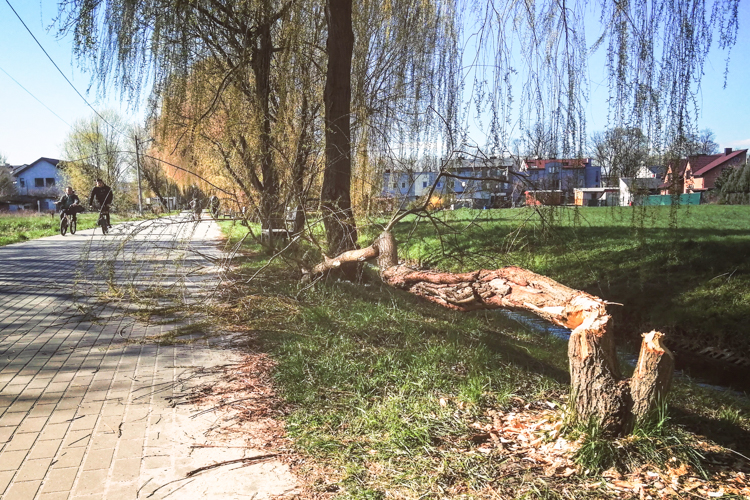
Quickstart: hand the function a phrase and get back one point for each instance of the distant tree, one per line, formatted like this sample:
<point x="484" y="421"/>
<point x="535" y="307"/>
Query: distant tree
<point x="692" y="144"/>
<point x="539" y="142"/>
<point x="7" y="186"/>
<point x="619" y="151"/>
<point x="734" y="185"/>
<point x="96" y="149"/>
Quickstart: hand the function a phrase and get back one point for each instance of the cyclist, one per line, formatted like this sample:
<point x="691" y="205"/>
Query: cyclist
<point x="103" y="196"/>
<point x="195" y="205"/>
<point x="69" y="204"/>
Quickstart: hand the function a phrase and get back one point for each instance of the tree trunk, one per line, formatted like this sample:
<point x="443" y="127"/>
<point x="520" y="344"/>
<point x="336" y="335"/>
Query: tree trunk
<point x="599" y="391"/>
<point x="270" y="209"/>
<point x="341" y="231"/>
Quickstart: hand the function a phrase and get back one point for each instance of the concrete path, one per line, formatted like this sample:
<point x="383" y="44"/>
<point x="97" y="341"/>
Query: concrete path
<point x="94" y="403"/>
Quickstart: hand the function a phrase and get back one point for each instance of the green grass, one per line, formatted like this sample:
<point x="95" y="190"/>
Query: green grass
<point x="19" y="228"/>
<point x="684" y="271"/>
<point x="383" y="389"/>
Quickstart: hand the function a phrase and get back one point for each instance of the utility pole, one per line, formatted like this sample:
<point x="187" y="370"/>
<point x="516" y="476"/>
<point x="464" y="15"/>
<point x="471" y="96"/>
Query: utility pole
<point x="138" y="176"/>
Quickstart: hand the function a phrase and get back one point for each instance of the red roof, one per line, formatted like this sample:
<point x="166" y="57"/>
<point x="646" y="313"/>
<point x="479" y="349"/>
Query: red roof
<point x="718" y="161"/>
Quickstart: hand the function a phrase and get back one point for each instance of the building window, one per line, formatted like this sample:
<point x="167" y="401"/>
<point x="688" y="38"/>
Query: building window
<point x="22" y="182"/>
<point x="424" y="184"/>
<point x="403" y="184"/>
<point x="39" y="182"/>
<point x="439" y="185"/>
<point x="49" y="181"/>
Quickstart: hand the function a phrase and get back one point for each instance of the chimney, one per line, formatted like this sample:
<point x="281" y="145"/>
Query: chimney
<point x="727" y="151"/>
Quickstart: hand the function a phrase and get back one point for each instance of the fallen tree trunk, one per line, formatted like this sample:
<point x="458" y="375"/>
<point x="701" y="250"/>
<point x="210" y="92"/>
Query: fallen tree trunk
<point x="599" y="391"/>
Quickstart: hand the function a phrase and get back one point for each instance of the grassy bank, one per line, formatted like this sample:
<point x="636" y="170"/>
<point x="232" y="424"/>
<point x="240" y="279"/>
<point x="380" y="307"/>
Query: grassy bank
<point x="23" y="227"/>
<point x="683" y="270"/>
<point x="390" y="396"/>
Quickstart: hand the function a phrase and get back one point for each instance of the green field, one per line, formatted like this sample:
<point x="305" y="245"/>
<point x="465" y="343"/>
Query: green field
<point x="23" y="227"/>
<point x="682" y="270"/>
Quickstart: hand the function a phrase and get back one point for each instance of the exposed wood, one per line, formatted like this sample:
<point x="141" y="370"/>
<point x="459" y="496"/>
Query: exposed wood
<point x="652" y="378"/>
<point x="600" y="392"/>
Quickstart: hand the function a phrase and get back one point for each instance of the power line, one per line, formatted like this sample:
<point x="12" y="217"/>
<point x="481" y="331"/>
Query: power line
<point x="59" y="70"/>
<point x="35" y="97"/>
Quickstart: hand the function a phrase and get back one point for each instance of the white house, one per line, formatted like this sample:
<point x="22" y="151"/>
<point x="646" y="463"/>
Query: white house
<point x="38" y="185"/>
<point x="645" y="182"/>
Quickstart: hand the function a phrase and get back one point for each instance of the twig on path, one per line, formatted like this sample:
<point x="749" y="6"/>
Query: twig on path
<point x="229" y="403"/>
<point x="229" y="462"/>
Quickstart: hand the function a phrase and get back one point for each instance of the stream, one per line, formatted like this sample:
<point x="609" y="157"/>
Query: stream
<point x="705" y="372"/>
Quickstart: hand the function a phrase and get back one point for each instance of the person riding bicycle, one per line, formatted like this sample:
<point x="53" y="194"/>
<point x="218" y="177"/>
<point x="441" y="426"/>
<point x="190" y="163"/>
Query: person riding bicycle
<point x="69" y="204"/>
<point x="103" y="196"/>
<point x="195" y="205"/>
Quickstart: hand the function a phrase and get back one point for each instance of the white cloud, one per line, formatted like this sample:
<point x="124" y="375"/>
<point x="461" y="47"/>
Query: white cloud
<point x="741" y="144"/>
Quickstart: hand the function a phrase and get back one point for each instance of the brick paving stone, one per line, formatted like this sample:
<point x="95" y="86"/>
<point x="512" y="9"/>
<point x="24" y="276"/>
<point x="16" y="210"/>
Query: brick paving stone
<point x="90" y="482"/>
<point x="63" y="495"/>
<point x="60" y="480"/>
<point x="84" y="394"/>
<point x="45" y="449"/>
<point x="22" y="490"/>
<point x="21" y="441"/>
<point x="5" y="477"/>
<point x="12" y="419"/>
<point x="69" y="457"/>
<point x="33" y="469"/>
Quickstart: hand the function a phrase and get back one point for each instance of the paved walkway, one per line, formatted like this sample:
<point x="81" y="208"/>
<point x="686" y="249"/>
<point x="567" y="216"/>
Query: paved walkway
<point x="91" y="406"/>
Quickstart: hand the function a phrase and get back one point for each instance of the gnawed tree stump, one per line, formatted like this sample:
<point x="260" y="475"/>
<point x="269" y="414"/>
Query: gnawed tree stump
<point x="599" y="391"/>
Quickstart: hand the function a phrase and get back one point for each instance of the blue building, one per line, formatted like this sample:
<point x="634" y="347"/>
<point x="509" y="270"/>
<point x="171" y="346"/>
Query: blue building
<point x="478" y="183"/>
<point x="558" y="178"/>
<point x="37" y="186"/>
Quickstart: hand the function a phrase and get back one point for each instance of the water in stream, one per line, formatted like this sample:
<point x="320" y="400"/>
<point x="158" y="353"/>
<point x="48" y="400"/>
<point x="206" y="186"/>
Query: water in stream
<point x="689" y="366"/>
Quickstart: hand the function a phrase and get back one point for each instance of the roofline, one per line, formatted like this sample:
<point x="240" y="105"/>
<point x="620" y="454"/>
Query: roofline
<point x="719" y="161"/>
<point x="21" y="168"/>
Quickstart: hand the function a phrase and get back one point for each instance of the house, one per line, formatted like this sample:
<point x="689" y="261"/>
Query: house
<point x="479" y="183"/>
<point x="37" y="185"/>
<point x="554" y="180"/>
<point x="699" y="173"/>
<point x="645" y="182"/>
<point x="633" y="189"/>
<point x="408" y="186"/>
<point x="483" y="182"/>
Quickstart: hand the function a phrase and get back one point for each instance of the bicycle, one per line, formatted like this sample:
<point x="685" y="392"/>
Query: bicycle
<point x="68" y="222"/>
<point x="102" y="221"/>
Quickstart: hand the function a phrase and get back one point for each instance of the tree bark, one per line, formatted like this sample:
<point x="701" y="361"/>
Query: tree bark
<point x="270" y="209"/>
<point x="341" y="231"/>
<point x="599" y="391"/>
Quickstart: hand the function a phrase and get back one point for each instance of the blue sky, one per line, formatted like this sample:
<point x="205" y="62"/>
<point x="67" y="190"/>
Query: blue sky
<point x="28" y="130"/>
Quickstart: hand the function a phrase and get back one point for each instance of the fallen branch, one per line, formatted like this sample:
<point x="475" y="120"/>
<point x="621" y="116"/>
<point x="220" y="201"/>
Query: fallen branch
<point x="230" y="462"/>
<point x="600" y="392"/>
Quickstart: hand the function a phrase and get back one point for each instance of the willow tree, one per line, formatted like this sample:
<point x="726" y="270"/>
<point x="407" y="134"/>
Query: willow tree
<point x="170" y="44"/>
<point x="655" y="54"/>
